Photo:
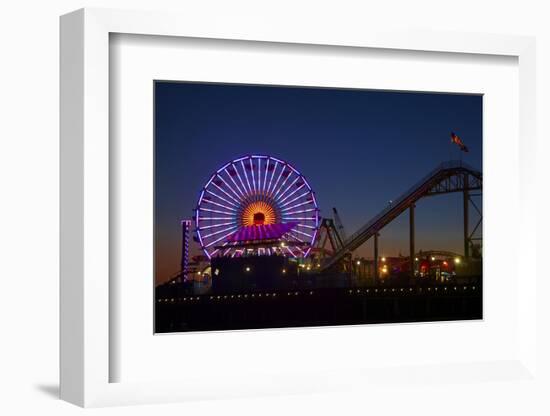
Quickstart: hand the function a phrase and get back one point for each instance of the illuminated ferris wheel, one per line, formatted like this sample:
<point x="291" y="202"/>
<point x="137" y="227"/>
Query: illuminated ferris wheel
<point x="257" y="204"/>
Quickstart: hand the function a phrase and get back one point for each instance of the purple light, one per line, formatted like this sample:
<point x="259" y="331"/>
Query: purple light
<point x="216" y="211"/>
<point x="226" y="184"/>
<point x="289" y="187"/>
<point x="285" y="216"/>
<point x="262" y="232"/>
<point x="219" y="239"/>
<point x="206" y="227"/>
<point x="265" y="176"/>
<point x="221" y="205"/>
<point x="252" y="173"/>
<point x="211" y="179"/>
<point x="219" y="208"/>
<point x="226" y="193"/>
<point x="282" y="185"/>
<point x="301" y="232"/>
<point x="222" y="198"/>
<point x="246" y="177"/>
<point x="240" y="180"/>
<point x="220" y="231"/>
<point x="311" y="227"/>
<point x="272" y="174"/>
<point x="296" y="198"/>
<point x="222" y="168"/>
<point x="278" y="179"/>
<point x="292" y="167"/>
<point x="309" y="201"/>
<point x="290" y="251"/>
<point x="259" y="175"/>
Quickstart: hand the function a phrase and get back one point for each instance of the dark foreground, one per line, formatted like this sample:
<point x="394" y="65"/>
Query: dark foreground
<point x="319" y="307"/>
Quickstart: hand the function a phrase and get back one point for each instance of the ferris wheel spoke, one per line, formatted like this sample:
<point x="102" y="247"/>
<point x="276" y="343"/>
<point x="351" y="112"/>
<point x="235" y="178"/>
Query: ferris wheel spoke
<point x="226" y="184"/>
<point x="296" y="198"/>
<point x="269" y="188"/>
<point x="282" y="185"/>
<point x="225" y="192"/>
<point x="300" y="241"/>
<point x="219" y="232"/>
<point x="301" y="204"/>
<point x="259" y="175"/>
<point x="222" y="198"/>
<point x="289" y="187"/>
<point x="246" y="177"/>
<point x="290" y="251"/>
<point x="221" y="238"/>
<point x="311" y="227"/>
<point x="291" y="237"/>
<point x="252" y="173"/>
<point x="302" y="233"/>
<point x="206" y="227"/>
<point x="245" y="191"/>
<point x="216" y="211"/>
<point x="275" y="185"/>
<point x="300" y="249"/>
<point x="230" y="176"/>
<point x="230" y="187"/>
<point x="233" y="210"/>
<point x="265" y="176"/>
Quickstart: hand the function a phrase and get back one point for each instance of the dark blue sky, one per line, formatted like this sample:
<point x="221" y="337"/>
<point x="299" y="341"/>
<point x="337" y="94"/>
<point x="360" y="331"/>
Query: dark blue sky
<point x="358" y="149"/>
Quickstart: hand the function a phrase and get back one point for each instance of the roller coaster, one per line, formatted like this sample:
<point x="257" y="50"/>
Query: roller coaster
<point x="275" y="283"/>
<point x="448" y="177"/>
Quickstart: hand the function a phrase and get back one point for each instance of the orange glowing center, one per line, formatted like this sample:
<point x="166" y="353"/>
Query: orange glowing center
<point x="258" y="213"/>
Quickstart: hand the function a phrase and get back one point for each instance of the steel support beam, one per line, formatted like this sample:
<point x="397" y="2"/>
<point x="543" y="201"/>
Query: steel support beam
<point x="411" y="240"/>
<point x="375" y="264"/>
<point x="466" y="203"/>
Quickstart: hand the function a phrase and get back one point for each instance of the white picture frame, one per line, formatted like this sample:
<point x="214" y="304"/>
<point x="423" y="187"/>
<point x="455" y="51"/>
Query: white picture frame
<point x="85" y="213"/>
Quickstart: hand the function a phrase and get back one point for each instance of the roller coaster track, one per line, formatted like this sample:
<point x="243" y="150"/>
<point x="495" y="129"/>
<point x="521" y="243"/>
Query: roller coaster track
<point x="452" y="176"/>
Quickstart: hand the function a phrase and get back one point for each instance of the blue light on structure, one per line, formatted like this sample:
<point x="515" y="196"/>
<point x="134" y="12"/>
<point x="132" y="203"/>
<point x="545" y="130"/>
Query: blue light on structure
<point x="237" y="188"/>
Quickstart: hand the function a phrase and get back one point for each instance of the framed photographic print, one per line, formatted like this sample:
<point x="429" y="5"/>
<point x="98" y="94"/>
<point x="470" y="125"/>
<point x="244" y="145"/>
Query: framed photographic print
<point x="272" y="212"/>
<point x="252" y="242"/>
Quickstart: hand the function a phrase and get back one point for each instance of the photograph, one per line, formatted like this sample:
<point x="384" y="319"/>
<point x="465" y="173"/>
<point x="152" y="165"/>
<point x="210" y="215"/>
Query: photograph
<point x="290" y="206"/>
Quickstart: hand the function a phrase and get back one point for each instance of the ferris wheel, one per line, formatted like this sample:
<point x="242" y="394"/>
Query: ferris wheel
<point x="257" y="204"/>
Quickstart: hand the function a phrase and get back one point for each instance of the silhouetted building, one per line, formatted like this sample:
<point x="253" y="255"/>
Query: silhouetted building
<point x="251" y="273"/>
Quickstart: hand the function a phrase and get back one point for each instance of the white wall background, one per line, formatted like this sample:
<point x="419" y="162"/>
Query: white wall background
<point x="29" y="56"/>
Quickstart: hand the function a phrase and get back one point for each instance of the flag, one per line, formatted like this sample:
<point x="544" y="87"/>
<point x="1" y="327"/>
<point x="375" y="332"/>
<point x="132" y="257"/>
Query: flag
<point x="456" y="140"/>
